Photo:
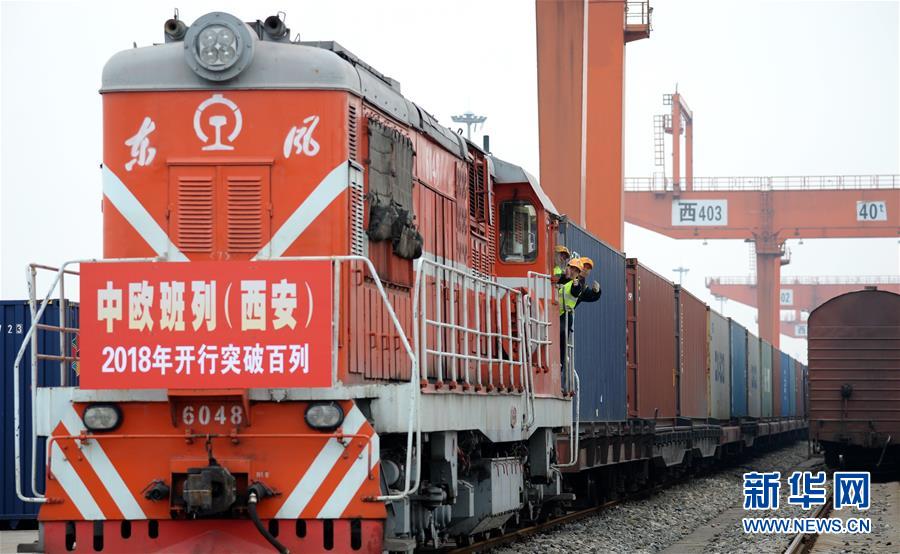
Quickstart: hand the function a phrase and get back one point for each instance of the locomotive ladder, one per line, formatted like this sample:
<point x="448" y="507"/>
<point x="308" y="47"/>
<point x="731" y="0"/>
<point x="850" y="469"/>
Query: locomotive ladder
<point x="64" y="331"/>
<point x="31" y="338"/>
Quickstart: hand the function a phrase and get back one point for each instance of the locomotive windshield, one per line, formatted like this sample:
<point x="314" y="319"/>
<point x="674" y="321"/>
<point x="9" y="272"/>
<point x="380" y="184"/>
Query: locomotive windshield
<point x="518" y="231"/>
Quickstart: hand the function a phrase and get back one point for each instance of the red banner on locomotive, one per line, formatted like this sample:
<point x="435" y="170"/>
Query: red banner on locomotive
<point x="206" y="325"/>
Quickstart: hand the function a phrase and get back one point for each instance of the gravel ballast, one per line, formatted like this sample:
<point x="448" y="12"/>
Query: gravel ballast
<point x="658" y="522"/>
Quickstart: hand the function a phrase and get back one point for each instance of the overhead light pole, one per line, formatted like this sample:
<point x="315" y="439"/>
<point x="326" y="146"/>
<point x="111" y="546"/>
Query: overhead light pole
<point x="469" y="119"/>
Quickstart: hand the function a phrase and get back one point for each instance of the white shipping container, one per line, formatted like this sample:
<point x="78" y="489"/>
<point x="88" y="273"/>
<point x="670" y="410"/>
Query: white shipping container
<point x="765" y="370"/>
<point x="719" y="374"/>
<point x="754" y="385"/>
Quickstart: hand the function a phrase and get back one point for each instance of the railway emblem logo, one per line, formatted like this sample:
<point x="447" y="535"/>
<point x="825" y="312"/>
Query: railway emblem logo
<point x="218" y="121"/>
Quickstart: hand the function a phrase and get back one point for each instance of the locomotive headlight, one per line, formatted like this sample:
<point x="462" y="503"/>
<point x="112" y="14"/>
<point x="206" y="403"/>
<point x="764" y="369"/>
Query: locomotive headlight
<point x="102" y="417"/>
<point x="324" y="416"/>
<point x="218" y="46"/>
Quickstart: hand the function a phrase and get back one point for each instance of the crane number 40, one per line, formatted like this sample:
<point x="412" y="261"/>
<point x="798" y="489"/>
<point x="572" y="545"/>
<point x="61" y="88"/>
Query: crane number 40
<point x="871" y="211"/>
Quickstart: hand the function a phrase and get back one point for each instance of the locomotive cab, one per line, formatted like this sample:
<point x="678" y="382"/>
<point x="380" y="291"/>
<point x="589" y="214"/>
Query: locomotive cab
<point x="527" y="222"/>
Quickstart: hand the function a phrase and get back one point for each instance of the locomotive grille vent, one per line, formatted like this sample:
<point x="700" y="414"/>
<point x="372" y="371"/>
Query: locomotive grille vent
<point x="246" y="214"/>
<point x="491" y="233"/>
<point x="359" y="241"/>
<point x="352" y="136"/>
<point x="195" y="214"/>
<point x="477" y="192"/>
<point x="491" y="249"/>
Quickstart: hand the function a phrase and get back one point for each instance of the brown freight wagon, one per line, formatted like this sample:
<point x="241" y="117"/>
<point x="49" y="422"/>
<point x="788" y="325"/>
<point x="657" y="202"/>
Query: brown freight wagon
<point x="854" y="378"/>
<point x="650" y="338"/>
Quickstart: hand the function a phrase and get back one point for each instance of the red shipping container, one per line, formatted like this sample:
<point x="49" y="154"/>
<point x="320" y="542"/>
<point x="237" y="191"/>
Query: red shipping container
<point x="693" y="355"/>
<point x="651" y="336"/>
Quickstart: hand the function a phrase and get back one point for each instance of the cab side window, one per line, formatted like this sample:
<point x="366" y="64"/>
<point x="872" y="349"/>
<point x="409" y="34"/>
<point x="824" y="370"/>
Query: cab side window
<point x="518" y="231"/>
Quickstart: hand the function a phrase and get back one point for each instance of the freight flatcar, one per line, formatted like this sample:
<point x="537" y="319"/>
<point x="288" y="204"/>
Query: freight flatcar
<point x="854" y="379"/>
<point x="679" y="367"/>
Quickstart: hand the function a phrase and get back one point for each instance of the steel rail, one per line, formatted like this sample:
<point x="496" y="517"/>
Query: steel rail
<point x="519" y="534"/>
<point x="804" y="542"/>
<point x="570" y="517"/>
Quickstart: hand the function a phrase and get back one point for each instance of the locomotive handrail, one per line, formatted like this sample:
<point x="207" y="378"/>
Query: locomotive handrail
<point x="493" y="291"/>
<point x="36" y="317"/>
<point x="572" y="377"/>
<point x="527" y="377"/>
<point x="539" y="287"/>
<point x="414" y="425"/>
<point x="64" y="331"/>
<point x="573" y="432"/>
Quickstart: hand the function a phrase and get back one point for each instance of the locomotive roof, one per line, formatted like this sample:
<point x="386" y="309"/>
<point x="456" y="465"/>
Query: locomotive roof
<point x="505" y="172"/>
<point x="277" y="65"/>
<point x="284" y="65"/>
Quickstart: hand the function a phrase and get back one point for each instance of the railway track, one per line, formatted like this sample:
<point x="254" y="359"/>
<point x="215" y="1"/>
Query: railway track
<point x="518" y="534"/>
<point x="804" y="542"/>
<point x="703" y="535"/>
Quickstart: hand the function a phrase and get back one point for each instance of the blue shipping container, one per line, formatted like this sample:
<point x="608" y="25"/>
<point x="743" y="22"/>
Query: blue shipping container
<point x="600" y="329"/>
<point x="787" y="378"/>
<point x="15" y="318"/>
<point x="793" y="387"/>
<point x="738" y="336"/>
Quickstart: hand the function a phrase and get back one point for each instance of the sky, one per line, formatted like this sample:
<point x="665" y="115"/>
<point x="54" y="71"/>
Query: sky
<point x="777" y="88"/>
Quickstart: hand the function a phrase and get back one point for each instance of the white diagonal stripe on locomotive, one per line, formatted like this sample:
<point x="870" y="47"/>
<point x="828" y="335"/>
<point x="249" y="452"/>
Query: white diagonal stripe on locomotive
<point x="97" y="458"/>
<point x="308" y="485"/>
<point x="351" y="483"/>
<point x="336" y="182"/>
<point x="75" y="488"/>
<point x="138" y="217"/>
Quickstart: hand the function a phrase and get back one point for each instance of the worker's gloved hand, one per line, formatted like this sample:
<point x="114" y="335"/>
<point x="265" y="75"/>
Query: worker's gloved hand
<point x="595" y="287"/>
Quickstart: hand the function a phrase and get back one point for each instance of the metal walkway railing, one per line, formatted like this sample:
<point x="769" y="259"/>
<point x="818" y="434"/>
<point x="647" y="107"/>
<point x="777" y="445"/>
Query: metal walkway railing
<point x="737" y="184"/>
<point x="750" y="280"/>
<point x="638" y="13"/>
<point x="475" y="333"/>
